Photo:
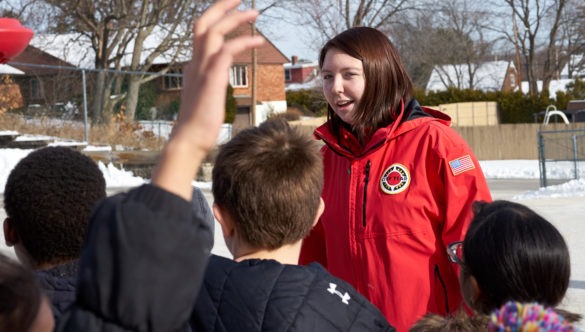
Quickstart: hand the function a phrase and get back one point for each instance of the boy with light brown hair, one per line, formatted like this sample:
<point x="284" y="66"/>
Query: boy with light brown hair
<point x="267" y="184"/>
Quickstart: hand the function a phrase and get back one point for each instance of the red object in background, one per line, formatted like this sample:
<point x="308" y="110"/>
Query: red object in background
<point x="14" y="38"/>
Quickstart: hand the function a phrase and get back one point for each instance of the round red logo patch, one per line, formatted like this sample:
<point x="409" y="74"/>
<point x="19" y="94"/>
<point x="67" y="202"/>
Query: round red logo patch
<point x="395" y="179"/>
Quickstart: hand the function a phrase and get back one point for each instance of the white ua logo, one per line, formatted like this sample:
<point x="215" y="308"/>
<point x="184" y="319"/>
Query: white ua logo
<point x="333" y="290"/>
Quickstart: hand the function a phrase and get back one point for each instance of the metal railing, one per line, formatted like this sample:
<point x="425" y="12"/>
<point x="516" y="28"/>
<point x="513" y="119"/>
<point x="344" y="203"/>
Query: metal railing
<point x="561" y="146"/>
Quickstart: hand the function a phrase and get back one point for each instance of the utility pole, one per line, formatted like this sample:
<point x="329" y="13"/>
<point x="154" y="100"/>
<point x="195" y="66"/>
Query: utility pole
<point x="254" y="63"/>
<point x="518" y="63"/>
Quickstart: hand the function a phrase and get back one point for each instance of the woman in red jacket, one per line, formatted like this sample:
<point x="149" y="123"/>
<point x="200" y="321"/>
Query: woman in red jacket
<point x="399" y="183"/>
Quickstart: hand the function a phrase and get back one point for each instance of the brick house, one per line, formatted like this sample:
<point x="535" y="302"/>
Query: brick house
<point x="270" y="95"/>
<point x="300" y="71"/>
<point x="270" y="92"/>
<point x="42" y="86"/>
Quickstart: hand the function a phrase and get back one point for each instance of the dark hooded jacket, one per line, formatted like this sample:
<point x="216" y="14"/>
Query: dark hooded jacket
<point x="265" y="295"/>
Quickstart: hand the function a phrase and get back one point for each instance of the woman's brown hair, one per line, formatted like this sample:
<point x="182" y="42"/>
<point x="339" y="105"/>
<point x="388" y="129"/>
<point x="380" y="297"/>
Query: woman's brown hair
<point x="387" y="83"/>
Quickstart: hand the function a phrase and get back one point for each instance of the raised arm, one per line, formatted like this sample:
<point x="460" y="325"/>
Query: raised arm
<point x="146" y="251"/>
<point x="203" y="101"/>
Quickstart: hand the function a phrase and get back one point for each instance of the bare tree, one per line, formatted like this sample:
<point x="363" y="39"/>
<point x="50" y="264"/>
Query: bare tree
<point x="573" y="32"/>
<point x="449" y="35"/>
<point x="117" y="30"/>
<point x="158" y="18"/>
<point x="539" y="25"/>
<point x="327" y="18"/>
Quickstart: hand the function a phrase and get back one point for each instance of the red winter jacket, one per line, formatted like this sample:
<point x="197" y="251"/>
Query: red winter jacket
<point x="391" y="208"/>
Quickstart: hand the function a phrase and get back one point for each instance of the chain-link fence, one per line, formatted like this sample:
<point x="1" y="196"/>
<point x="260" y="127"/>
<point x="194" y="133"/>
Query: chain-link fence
<point x="561" y="146"/>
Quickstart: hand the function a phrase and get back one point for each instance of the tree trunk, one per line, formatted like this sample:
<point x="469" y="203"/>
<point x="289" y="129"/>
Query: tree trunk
<point x="98" y="99"/>
<point x="132" y="97"/>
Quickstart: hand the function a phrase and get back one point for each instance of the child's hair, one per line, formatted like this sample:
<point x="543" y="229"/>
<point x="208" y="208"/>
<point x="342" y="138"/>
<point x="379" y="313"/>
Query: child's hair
<point x="515" y="254"/>
<point x="459" y="322"/>
<point x="387" y="82"/>
<point x="20" y="296"/>
<point x="49" y="197"/>
<point x="269" y="180"/>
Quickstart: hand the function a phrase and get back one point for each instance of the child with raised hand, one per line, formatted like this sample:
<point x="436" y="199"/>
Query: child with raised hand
<point x="146" y="251"/>
<point x="267" y="184"/>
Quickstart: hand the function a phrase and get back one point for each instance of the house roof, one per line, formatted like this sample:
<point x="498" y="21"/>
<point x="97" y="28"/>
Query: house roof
<point x="268" y="53"/>
<point x="9" y="70"/>
<point x="315" y="83"/>
<point x="302" y="64"/>
<point x="76" y="49"/>
<point x="489" y="76"/>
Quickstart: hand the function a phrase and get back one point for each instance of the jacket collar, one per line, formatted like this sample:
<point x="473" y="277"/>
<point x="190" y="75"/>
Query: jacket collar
<point x="410" y="117"/>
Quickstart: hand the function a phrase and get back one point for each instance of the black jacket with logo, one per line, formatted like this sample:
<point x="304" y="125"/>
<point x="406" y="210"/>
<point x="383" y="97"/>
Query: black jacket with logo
<point x="264" y="295"/>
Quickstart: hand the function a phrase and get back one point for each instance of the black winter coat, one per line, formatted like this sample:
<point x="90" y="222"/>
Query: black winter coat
<point x="59" y="285"/>
<point x="141" y="266"/>
<point x="264" y="295"/>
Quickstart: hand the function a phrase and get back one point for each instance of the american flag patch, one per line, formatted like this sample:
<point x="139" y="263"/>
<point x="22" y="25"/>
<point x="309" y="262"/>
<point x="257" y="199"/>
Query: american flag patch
<point x="461" y="165"/>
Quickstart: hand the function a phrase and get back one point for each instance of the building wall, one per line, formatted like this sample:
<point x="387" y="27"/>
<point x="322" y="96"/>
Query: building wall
<point x="271" y="83"/>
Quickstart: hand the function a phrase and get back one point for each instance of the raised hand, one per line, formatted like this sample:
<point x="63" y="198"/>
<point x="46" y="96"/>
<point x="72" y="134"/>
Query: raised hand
<point x="205" y="80"/>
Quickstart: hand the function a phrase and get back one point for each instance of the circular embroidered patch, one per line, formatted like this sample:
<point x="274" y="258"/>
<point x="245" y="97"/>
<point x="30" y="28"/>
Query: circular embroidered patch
<point x="395" y="179"/>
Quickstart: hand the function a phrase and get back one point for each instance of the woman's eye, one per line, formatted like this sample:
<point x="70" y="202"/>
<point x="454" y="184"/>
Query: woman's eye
<point x="327" y="76"/>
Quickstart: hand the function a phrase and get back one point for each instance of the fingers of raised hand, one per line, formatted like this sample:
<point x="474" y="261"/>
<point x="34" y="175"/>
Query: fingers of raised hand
<point x="211" y="29"/>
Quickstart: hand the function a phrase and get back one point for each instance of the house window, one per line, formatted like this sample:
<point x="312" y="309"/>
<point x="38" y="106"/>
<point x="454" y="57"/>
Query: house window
<point x="36" y="89"/>
<point x="287" y="75"/>
<point x="239" y="76"/>
<point x="512" y="79"/>
<point x="173" y="82"/>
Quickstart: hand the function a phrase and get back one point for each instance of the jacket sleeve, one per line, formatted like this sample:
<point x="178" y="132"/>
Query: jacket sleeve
<point x="464" y="184"/>
<point x="313" y="248"/>
<point x="142" y="264"/>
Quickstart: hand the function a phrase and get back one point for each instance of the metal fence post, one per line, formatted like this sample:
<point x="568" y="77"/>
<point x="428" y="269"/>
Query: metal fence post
<point x="541" y="159"/>
<point x="575" y="173"/>
<point x="85" y="124"/>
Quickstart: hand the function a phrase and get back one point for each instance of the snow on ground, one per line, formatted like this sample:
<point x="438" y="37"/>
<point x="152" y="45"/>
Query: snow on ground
<point x="493" y="169"/>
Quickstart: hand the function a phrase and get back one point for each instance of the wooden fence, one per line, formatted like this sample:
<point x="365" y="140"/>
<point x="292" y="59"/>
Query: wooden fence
<point x="504" y="141"/>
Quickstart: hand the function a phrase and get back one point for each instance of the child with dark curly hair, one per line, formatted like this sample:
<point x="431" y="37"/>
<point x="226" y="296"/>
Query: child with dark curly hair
<point x="48" y="199"/>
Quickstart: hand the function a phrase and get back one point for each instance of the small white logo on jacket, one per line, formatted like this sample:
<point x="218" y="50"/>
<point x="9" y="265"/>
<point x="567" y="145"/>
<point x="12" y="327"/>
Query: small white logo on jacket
<point x="344" y="296"/>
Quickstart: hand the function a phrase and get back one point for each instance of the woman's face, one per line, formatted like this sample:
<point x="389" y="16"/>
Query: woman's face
<point x="343" y="83"/>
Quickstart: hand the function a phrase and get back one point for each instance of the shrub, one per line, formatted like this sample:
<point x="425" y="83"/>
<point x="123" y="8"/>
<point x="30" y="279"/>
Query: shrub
<point x="310" y="102"/>
<point x="231" y="107"/>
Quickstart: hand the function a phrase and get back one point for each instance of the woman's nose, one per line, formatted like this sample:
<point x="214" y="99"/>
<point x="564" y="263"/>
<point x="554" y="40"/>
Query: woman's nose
<point x="337" y="85"/>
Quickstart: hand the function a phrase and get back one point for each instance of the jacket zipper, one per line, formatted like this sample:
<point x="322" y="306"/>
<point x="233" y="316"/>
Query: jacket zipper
<point x="366" y="180"/>
<point x="438" y="275"/>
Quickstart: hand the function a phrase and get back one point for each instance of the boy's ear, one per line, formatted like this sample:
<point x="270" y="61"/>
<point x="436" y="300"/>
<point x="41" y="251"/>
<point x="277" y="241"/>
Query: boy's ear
<point x="227" y="227"/>
<point x="320" y="210"/>
<point x="10" y="234"/>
